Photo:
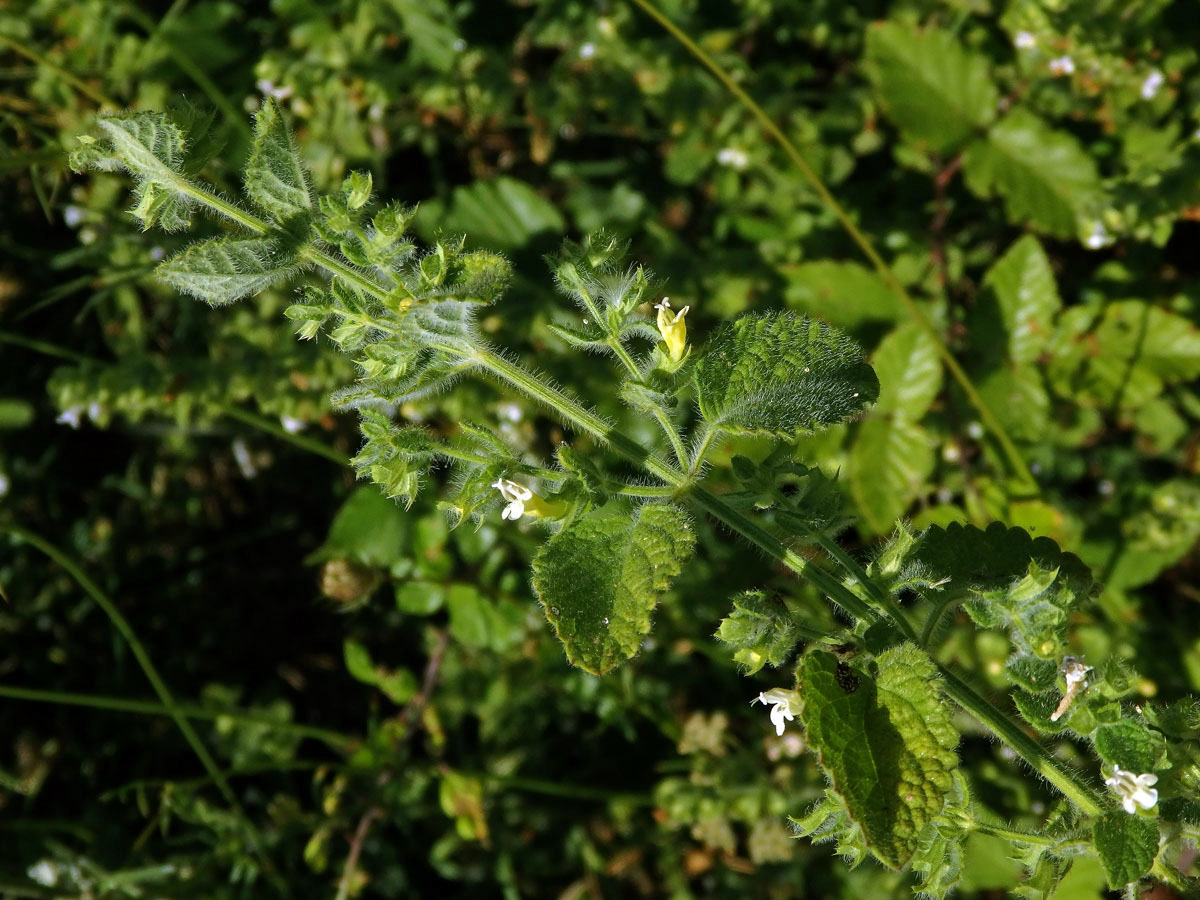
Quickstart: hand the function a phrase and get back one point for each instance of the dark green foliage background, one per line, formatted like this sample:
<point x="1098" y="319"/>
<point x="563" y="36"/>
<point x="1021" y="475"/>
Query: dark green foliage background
<point x="519" y="124"/>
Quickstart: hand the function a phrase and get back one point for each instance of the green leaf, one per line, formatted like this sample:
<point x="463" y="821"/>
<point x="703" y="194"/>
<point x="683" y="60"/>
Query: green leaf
<point x="151" y="147"/>
<point x="223" y="270"/>
<point x="889" y="464"/>
<point x="760" y="629"/>
<point x="599" y="579"/>
<point x="1020" y="300"/>
<point x="1008" y="579"/>
<point x="886" y="742"/>
<point x="781" y="374"/>
<point x="275" y="178"/>
<point x="1032" y="673"/>
<point x="843" y="294"/>
<point x="369" y="528"/>
<point x="1044" y="177"/>
<point x="1129" y="745"/>
<point x="1127" y="846"/>
<point x="910" y="372"/>
<point x="398" y="686"/>
<point x="503" y="214"/>
<point x="937" y="92"/>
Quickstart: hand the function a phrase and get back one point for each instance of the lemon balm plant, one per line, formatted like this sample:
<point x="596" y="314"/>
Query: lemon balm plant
<point x="874" y="697"/>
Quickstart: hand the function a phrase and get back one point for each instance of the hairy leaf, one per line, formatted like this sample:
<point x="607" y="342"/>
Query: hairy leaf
<point x="223" y="270"/>
<point x="1129" y="745"/>
<point x="151" y="147"/>
<point x="1007" y="578"/>
<point x="275" y="178"/>
<point x="1127" y="846"/>
<point x="886" y="742"/>
<point x="760" y="629"/>
<point x="1044" y="176"/>
<point x="937" y="92"/>
<point x="780" y="374"/>
<point x="599" y="580"/>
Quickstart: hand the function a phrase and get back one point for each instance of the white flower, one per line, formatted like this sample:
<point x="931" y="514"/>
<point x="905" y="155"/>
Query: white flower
<point x="245" y="462"/>
<point x="1134" y="790"/>
<point x="1151" y="85"/>
<point x="73" y="216"/>
<point x="4" y="484"/>
<point x="1098" y="238"/>
<point x="72" y="416"/>
<point x="515" y="494"/>
<point x="291" y="425"/>
<point x="44" y="873"/>
<point x="587" y="51"/>
<point x="268" y="87"/>
<point x="1024" y="40"/>
<point x="1075" y="672"/>
<point x="1063" y="65"/>
<point x="733" y="157"/>
<point x="780" y="702"/>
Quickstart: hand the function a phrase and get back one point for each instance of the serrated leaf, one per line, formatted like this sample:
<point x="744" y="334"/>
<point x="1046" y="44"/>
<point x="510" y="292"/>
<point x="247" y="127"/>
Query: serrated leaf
<point x="889" y="464"/>
<point x="910" y="372"/>
<point x="223" y="270"/>
<point x="886" y="742"/>
<point x="151" y="147"/>
<point x="599" y="579"/>
<point x="275" y="178"/>
<point x="1020" y="300"/>
<point x="1129" y="745"/>
<point x="1036" y="675"/>
<point x="1008" y="579"/>
<point x="781" y="374"/>
<point x="1044" y="177"/>
<point x="1127" y="846"/>
<point x="935" y="90"/>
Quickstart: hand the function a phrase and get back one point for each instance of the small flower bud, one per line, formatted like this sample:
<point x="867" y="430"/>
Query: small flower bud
<point x="673" y="328"/>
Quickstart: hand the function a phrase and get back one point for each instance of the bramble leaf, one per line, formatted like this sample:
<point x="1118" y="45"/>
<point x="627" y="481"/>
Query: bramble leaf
<point x="886" y="742"/>
<point x="600" y="578"/>
<point x="846" y="295"/>
<point x="780" y="374"/>
<point x="937" y="92"/>
<point x="1020" y="300"/>
<point x="275" y="178"/>
<point x="1127" y="846"/>
<point x="223" y="270"/>
<point x="890" y="461"/>
<point x="1044" y="177"/>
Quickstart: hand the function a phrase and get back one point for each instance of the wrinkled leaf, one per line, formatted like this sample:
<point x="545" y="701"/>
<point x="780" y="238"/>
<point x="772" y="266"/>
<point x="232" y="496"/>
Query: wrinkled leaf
<point x="600" y="578"/>
<point x="886" y="742"/>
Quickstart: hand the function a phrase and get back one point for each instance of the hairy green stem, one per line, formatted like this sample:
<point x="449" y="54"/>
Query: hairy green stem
<point x="573" y="414"/>
<point x="1013" y="456"/>
<point x="191" y="711"/>
<point x="139" y="651"/>
<point x="1068" y="782"/>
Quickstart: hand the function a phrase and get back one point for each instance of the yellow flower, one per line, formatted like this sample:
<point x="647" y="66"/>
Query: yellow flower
<point x="673" y="328"/>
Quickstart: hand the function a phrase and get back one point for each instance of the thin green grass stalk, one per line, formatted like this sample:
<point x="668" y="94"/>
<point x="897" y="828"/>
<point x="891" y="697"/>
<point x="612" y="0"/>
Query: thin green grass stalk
<point x="139" y="651"/>
<point x="73" y="80"/>
<point x="1013" y="456"/>
<point x="191" y="711"/>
